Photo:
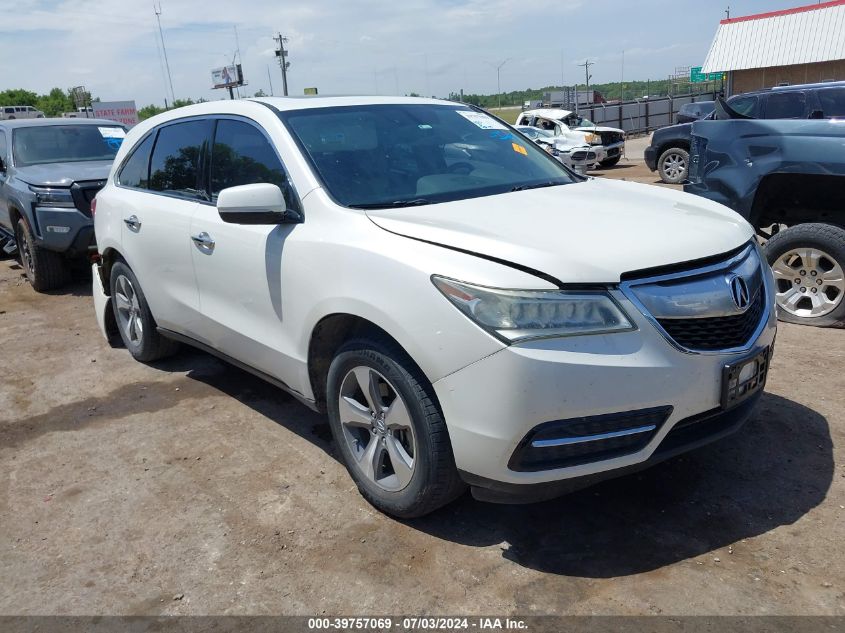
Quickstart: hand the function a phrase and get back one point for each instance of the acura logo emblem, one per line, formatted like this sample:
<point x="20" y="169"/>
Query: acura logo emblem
<point x="739" y="291"/>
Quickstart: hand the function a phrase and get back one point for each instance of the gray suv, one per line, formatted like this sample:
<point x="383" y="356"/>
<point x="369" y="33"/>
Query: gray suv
<point x="50" y="171"/>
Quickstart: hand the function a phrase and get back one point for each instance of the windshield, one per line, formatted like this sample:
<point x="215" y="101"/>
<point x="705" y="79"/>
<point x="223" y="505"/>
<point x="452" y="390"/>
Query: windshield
<point x="575" y="121"/>
<point x="373" y="156"/>
<point x="43" y="144"/>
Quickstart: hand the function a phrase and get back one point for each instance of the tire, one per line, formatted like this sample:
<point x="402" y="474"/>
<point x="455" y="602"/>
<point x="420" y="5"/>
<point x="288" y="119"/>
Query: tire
<point x="809" y="257"/>
<point x="135" y="322"/>
<point x="45" y="269"/>
<point x="431" y="481"/>
<point x="610" y="162"/>
<point x="673" y="165"/>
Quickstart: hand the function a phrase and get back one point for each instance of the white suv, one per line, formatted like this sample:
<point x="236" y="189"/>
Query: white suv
<point x="20" y="112"/>
<point x="465" y="309"/>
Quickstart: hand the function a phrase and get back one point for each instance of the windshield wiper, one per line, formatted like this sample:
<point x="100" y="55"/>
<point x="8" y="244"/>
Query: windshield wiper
<point x="416" y="202"/>
<point x="537" y="185"/>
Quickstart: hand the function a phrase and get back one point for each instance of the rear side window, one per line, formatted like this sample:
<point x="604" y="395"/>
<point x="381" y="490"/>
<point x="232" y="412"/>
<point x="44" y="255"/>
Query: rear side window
<point x="136" y="170"/>
<point x="746" y="106"/>
<point x="832" y="101"/>
<point x="242" y="155"/>
<point x="786" y="105"/>
<point x="9" y="110"/>
<point x="175" y="164"/>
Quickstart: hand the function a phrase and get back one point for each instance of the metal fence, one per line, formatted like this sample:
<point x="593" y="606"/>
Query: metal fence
<point x="641" y="115"/>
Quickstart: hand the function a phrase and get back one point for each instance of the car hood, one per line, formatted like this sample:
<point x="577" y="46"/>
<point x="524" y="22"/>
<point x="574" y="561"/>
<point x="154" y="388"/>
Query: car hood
<point x="64" y="174"/>
<point x="599" y="128"/>
<point x="588" y="232"/>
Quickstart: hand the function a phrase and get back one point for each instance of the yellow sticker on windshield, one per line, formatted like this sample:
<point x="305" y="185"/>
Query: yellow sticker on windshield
<point x="519" y="149"/>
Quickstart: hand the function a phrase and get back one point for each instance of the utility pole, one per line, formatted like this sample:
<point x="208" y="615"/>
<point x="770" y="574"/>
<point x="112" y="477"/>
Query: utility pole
<point x="157" y="10"/>
<point x="728" y="12"/>
<point x="587" y="63"/>
<point x="270" y="79"/>
<point x="284" y="64"/>
<point x="622" y="80"/>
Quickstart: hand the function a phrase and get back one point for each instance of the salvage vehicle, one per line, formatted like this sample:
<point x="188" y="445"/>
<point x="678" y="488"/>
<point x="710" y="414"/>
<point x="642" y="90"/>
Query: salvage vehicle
<point x="577" y="157"/>
<point x="787" y="178"/>
<point x="465" y="309"/>
<point x="668" y="153"/>
<point x="607" y="142"/>
<point x="50" y="170"/>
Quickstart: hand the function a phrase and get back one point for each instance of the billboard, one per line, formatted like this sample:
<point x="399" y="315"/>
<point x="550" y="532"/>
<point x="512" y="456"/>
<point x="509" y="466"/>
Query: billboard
<point x="227" y="76"/>
<point x="123" y="112"/>
<point x="696" y="76"/>
<point x="310" y="91"/>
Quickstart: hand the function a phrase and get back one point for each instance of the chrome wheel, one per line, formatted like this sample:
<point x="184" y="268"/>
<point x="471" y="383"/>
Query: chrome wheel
<point x="377" y="428"/>
<point x="810" y="283"/>
<point x="128" y="310"/>
<point x="27" y="259"/>
<point x="674" y="166"/>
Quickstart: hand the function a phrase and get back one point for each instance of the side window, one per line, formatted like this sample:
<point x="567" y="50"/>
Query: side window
<point x="136" y="171"/>
<point x="3" y="149"/>
<point x="9" y="110"/>
<point x="175" y="164"/>
<point x="786" y="105"/>
<point x="744" y="105"/>
<point x="832" y="101"/>
<point x="242" y="155"/>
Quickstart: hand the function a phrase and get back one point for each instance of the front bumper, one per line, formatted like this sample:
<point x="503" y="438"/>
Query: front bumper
<point x="650" y="156"/>
<point x="64" y="230"/>
<point x="492" y="405"/>
<point x="605" y="152"/>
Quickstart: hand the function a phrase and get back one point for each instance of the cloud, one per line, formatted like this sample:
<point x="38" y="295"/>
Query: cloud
<point x="341" y="47"/>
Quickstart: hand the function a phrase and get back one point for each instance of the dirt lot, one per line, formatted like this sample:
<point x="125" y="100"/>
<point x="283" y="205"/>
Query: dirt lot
<point x="191" y="487"/>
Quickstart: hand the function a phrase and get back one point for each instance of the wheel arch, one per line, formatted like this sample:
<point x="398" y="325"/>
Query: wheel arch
<point x="792" y="199"/>
<point x="328" y="335"/>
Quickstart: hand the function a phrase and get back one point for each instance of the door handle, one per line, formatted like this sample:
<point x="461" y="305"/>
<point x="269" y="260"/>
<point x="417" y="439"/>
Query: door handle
<point x="203" y="240"/>
<point x="132" y="222"/>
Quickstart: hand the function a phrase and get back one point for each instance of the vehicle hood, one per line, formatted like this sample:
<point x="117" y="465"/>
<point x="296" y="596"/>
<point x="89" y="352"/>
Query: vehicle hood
<point x="599" y="128"/>
<point x="63" y="174"/>
<point x="587" y="232"/>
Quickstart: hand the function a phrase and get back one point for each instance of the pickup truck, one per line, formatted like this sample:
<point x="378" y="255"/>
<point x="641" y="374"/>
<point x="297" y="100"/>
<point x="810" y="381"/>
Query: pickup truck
<point x="50" y="171"/>
<point x="787" y="178"/>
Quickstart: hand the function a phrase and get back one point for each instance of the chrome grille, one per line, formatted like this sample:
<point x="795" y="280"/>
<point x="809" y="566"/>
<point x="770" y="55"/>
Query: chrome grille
<point x="696" y="308"/>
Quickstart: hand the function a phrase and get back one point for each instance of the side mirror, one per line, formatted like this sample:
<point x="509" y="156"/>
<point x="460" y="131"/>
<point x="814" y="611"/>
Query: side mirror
<point x="261" y="203"/>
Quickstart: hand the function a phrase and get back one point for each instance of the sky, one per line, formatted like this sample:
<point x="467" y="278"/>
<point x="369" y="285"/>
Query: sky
<point x="431" y="47"/>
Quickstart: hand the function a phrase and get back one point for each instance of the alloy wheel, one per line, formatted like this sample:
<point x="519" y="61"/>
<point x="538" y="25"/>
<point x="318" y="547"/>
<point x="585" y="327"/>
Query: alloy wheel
<point x="128" y="310"/>
<point x="377" y="428"/>
<point x="674" y="166"/>
<point x="810" y="283"/>
<point x="27" y="259"/>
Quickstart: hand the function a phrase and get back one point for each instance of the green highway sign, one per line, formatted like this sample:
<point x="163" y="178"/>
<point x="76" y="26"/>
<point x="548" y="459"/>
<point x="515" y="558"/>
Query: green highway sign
<point x="696" y="76"/>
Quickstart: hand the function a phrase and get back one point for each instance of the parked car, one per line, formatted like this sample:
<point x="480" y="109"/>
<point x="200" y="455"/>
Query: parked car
<point x="19" y="112"/>
<point x="579" y="158"/>
<point x="464" y="309"/>
<point x="668" y="153"/>
<point x="690" y="112"/>
<point x="607" y="142"/>
<point x="787" y="178"/>
<point x="50" y="171"/>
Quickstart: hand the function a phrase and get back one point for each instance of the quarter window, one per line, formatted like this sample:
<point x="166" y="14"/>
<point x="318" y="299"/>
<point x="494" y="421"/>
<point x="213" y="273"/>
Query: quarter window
<point x="744" y="105"/>
<point x="242" y="155"/>
<point x="175" y="164"/>
<point x="136" y="170"/>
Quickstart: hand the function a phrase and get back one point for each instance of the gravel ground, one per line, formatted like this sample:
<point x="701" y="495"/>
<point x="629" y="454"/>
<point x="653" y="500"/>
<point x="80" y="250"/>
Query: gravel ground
<point x="191" y="487"/>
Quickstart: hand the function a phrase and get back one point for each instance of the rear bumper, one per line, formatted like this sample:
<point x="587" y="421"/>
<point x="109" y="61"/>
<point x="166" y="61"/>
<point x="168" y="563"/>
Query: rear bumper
<point x="686" y="435"/>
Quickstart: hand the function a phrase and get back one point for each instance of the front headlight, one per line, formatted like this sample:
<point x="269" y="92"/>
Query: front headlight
<point x="517" y="315"/>
<point x="593" y="139"/>
<point x="47" y="197"/>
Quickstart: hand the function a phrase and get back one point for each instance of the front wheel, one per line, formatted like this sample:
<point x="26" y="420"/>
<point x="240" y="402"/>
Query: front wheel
<point x="45" y="269"/>
<point x="389" y="429"/>
<point x="808" y="261"/>
<point x="135" y="322"/>
<point x="673" y="165"/>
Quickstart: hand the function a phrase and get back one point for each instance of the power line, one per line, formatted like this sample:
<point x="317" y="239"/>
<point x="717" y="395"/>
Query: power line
<point x="164" y="50"/>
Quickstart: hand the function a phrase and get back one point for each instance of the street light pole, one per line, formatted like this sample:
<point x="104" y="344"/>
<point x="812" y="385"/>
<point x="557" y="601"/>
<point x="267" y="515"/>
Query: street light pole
<point x="499" y="79"/>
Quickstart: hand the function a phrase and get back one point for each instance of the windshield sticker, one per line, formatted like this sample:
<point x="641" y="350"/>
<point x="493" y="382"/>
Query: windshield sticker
<point x="501" y="135"/>
<point x="519" y="149"/>
<point x="481" y="120"/>
<point x="112" y="132"/>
